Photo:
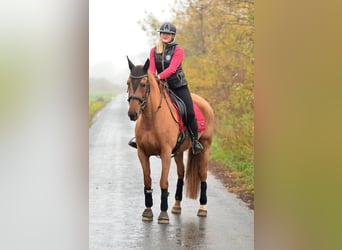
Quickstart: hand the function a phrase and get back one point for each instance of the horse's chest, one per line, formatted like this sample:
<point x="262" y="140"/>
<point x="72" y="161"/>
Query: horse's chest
<point x="150" y="139"/>
<point x="156" y="137"/>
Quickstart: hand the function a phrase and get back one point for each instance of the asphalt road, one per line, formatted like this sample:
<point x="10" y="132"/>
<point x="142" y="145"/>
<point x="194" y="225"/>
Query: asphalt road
<point x="116" y="198"/>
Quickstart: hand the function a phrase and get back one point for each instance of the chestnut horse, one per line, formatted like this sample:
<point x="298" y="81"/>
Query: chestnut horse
<point x="156" y="133"/>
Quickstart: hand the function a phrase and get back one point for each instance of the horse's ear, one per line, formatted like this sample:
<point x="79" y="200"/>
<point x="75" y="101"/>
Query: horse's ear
<point x="130" y="64"/>
<point x="147" y="64"/>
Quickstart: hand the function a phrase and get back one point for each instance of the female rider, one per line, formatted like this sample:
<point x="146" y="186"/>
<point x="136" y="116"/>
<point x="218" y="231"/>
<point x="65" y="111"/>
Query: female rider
<point x="166" y="62"/>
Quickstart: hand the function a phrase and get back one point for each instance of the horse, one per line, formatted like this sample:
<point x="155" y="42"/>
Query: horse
<point x="157" y="131"/>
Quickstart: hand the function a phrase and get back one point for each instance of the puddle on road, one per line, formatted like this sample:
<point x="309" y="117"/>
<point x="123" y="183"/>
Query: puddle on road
<point x="192" y="234"/>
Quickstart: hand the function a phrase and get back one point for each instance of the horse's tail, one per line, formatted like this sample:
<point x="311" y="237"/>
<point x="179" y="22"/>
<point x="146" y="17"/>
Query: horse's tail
<point x="192" y="180"/>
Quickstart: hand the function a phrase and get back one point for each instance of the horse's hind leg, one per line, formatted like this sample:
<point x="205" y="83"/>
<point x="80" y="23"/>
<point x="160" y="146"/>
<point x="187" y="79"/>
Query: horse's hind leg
<point x="176" y="209"/>
<point x="203" y="167"/>
<point x="202" y="211"/>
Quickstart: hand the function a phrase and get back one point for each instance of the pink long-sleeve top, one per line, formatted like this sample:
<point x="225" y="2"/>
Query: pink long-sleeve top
<point x="176" y="60"/>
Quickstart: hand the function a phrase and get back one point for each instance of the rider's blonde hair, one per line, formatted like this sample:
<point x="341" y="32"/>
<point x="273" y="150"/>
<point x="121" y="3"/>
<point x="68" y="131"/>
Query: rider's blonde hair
<point x="160" y="47"/>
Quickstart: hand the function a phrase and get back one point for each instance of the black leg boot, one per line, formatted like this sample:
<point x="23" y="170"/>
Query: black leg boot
<point x="193" y="130"/>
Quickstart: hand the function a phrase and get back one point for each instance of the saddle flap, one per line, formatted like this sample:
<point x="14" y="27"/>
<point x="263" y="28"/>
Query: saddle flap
<point x="201" y="123"/>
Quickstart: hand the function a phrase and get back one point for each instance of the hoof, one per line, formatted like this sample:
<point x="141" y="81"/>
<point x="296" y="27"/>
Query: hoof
<point x="176" y="210"/>
<point x="147" y="215"/>
<point x="163" y="218"/>
<point x="202" y="213"/>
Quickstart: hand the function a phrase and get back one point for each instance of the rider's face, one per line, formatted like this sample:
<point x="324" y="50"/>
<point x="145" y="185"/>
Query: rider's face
<point x="166" y="37"/>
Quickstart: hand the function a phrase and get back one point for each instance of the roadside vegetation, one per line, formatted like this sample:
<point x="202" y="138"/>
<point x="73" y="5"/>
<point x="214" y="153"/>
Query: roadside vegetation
<point x="101" y="91"/>
<point x="218" y="39"/>
<point x="96" y="102"/>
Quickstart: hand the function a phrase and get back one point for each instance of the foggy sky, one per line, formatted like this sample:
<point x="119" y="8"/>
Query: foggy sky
<point x="114" y="32"/>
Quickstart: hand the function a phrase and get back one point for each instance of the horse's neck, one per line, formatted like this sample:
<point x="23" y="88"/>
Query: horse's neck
<point x="154" y="99"/>
<point x="157" y="104"/>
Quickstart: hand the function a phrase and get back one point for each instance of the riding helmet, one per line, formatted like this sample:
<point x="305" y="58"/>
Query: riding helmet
<point x="167" y="28"/>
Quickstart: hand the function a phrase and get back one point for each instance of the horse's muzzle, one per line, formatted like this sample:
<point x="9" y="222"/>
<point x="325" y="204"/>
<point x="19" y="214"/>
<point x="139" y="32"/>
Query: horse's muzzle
<point x="133" y="116"/>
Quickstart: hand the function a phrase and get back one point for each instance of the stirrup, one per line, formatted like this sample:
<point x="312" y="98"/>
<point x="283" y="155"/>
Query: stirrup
<point x="132" y="143"/>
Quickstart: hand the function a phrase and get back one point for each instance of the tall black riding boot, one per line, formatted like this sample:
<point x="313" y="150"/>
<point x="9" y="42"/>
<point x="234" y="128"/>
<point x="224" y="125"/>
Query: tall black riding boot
<point x="193" y="130"/>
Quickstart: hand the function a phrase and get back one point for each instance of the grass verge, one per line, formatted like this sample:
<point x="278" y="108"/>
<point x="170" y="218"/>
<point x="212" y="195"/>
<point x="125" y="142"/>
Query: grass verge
<point x="96" y="102"/>
<point x="241" y="169"/>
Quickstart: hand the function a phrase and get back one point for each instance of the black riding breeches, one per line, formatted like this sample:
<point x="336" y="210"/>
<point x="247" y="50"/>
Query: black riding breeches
<point x="184" y="94"/>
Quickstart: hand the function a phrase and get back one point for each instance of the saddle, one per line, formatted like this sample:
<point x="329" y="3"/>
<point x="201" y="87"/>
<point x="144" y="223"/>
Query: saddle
<point x="182" y="116"/>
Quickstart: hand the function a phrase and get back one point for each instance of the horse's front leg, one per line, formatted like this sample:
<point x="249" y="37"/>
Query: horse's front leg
<point x="145" y="164"/>
<point x="176" y="209"/>
<point x="164" y="185"/>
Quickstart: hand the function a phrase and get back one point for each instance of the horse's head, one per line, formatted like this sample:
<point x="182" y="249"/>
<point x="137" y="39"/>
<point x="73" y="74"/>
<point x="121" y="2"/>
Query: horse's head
<point x="138" y="88"/>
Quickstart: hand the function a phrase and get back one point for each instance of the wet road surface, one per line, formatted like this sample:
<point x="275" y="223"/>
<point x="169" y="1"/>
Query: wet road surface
<point x="116" y="198"/>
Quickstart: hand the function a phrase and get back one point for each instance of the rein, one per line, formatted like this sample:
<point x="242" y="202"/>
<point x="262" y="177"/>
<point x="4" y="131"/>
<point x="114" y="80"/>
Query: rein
<point x="165" y="87"/>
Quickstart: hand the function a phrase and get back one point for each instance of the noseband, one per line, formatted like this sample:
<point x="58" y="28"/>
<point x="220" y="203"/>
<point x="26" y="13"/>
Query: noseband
<point x="141" y="99"/>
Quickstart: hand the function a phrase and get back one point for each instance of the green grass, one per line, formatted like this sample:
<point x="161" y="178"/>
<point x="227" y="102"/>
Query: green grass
<point x="101" y="95"/>
<point x="237" y="161"/>
<point x="96" y="102"/>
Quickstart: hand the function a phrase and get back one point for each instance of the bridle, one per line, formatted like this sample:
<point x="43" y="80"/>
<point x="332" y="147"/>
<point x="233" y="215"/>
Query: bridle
<point x="141" y="99"/>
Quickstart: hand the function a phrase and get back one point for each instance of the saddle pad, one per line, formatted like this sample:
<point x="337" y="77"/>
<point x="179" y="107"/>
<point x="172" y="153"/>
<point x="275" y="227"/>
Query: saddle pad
<point x="201" y="124"/>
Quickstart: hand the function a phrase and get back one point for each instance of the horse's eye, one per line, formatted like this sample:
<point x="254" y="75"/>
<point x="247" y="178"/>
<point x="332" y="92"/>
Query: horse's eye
<point x="143" y="85"/>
